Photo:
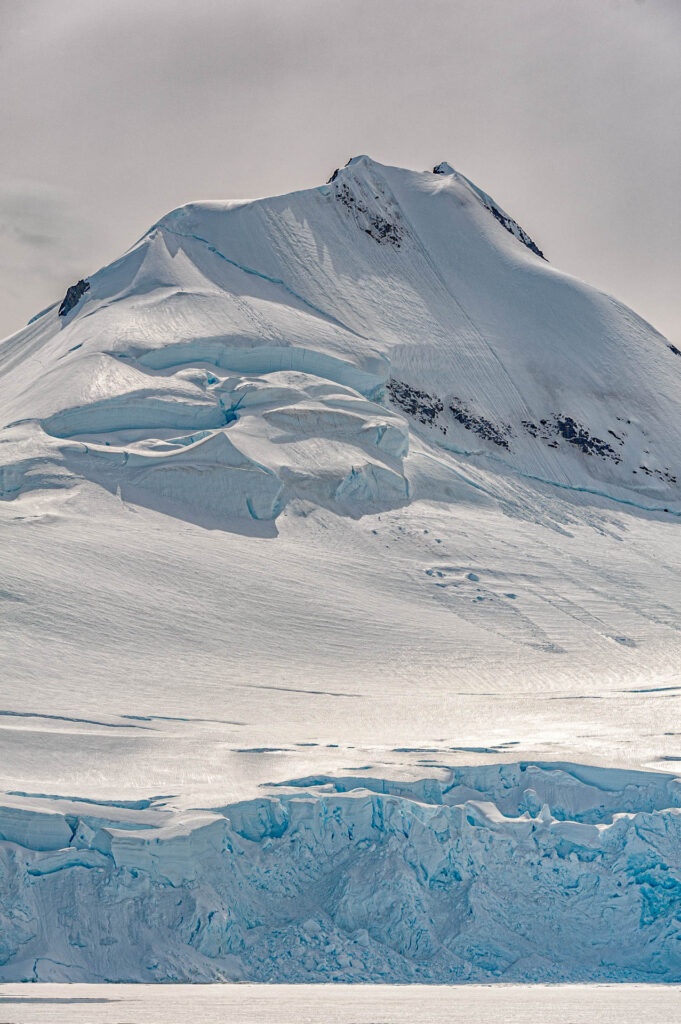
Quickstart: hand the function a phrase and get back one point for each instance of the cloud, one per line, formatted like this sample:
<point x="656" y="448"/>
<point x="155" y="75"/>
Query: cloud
<point x="43" y="239"/>
<point x="32" y="215"/>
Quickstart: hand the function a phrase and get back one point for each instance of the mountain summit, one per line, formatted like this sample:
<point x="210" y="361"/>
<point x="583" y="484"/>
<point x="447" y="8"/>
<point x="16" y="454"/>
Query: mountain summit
<point x="243" y="354"/>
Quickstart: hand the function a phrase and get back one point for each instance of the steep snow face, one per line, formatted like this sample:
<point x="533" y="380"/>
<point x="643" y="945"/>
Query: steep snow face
<point x="512" y="872"/>
<point x="304" y="337"/>
<point x="487" y="201"/>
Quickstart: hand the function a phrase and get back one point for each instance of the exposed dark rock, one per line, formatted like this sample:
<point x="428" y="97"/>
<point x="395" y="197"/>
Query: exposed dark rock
<point x="376" y="225"/>
<point x="382" y="230"/>
<point x="675" y="350"/>
<point x="565" y="427"/>
<point x="428" y="408"/>
<point x="515" y="229"/>
<point x="661" y="474"/>
<point x="424" y="407"/>
<point x="578" y="435"/>
<point x="73" y="296"/>
<point x="345" y="196"/>
<point x="498" y="434"/>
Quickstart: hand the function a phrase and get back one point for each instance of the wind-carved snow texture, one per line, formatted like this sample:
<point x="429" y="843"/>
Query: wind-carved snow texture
<point x="515" y="872"/>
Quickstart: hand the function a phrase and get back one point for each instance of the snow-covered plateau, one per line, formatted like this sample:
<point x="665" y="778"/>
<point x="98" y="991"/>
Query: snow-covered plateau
<point x="340" y="593"/>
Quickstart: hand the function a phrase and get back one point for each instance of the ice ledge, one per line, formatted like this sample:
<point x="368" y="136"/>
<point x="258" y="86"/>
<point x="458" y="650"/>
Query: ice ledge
<point x="506" y="872"/>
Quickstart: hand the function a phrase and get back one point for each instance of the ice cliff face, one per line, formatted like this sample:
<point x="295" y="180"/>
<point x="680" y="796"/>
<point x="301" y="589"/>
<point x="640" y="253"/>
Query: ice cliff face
<point x="516" y="872"/>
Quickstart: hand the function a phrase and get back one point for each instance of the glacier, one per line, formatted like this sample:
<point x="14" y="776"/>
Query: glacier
<point x="341" y="632"/>
<point x="514" y="871"/>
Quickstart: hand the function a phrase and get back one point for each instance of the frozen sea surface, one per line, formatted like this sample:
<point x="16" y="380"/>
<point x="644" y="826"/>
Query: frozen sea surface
<point x="341" y="1004"/>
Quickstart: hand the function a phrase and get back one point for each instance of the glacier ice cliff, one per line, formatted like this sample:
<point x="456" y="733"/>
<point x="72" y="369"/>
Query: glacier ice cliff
<point x="514" y="872"/>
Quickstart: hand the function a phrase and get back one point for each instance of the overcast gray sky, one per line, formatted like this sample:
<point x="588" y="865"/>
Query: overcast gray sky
<point x="116" y="111"/>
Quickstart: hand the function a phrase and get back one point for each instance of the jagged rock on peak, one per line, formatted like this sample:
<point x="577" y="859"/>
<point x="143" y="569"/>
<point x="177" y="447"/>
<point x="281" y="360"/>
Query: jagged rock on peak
<point x="73" y="296"/>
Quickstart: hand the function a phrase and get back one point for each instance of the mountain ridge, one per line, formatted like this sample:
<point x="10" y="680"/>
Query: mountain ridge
<point x="391" y="312"/>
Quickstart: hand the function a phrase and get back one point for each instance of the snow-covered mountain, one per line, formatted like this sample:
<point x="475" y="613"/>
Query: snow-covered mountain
<point x="349" y="489"/>
<point x="244" y="354"/>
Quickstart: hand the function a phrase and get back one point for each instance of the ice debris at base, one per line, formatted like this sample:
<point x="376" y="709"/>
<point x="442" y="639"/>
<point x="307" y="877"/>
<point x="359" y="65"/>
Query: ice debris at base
<point x="514" y="872"/>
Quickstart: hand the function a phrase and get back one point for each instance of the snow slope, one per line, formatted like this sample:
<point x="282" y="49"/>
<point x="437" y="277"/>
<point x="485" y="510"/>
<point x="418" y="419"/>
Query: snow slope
<point x="349" y="486"/>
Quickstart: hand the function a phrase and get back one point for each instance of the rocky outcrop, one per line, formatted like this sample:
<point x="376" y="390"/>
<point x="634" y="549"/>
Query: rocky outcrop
<point x="73" y="296"/>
